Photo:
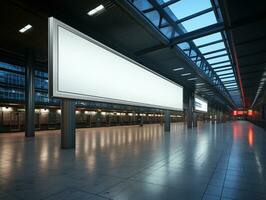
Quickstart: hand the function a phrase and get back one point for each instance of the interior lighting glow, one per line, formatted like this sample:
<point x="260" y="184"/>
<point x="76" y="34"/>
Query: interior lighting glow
<point x="186" y="74"/>
<point x="178" y="69"/>
<point x="96" y="10"/>
<point x="25" y="28"/>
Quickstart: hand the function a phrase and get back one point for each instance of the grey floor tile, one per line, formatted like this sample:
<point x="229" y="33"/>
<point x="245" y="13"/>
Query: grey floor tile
<point x="132" y="162"/>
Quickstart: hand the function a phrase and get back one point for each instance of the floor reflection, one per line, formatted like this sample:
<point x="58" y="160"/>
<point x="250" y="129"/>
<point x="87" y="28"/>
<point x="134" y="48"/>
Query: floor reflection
<point x="134" y="162"/>
<point x="250" y="136"/>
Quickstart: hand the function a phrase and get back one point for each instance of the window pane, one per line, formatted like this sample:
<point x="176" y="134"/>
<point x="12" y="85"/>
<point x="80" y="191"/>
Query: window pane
<point x="222" y="64"/>
<point x="208" y="39"/>
<point x="215" y="54"/>
<point x="200" y="22"/>
<point x="219" y="59"/>
<point x="185" y="8"/>
<point x="213" y="47"/>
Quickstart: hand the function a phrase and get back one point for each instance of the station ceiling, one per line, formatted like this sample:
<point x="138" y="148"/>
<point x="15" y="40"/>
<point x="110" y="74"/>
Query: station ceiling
<point x="124" y="27"/>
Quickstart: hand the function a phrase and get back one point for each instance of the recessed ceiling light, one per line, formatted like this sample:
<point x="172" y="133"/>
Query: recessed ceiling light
<point x="192" y="79"/>
<point x="25" y="28"/>
<point x="200" y="83"/>
<point x="186" y="74"/>
<point x="178" y="69"/>
<point x="96" y="10"/>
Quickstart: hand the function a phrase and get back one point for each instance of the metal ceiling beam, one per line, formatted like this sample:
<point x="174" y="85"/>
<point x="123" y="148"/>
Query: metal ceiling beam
<point x="217" y="56"/>
<point x="221" y="62"/>
<point x="210" y="43"/>
<point x="250" y="41"/>
<point x="222" y="67"/>
<point x="163" y="5"/>
<point x="150" y="49"/>
<point x="216" y="51"/>
<point x="253" y="64"/>
<point x="213" y="79"/>
<point x="214" y="28"/>
<point x="228" y="75"/>
<point x="248" y="20"/>
<point x="252" y="54"/>
<point x="190" y="16"/>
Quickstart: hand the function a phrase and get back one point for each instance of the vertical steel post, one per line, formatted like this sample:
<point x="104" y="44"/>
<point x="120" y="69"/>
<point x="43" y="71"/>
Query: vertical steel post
<point x="68" y="123"/>
<point x="29" y="97"/>
<point x="167" y="120"/>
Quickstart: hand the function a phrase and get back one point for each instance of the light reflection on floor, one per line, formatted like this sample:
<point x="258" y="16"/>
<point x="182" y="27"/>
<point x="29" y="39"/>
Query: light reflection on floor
<point x="211" y="161"/>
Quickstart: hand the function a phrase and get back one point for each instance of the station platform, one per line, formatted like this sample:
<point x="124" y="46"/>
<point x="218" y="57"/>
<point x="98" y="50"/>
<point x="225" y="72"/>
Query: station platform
<point x="211" y="161"/>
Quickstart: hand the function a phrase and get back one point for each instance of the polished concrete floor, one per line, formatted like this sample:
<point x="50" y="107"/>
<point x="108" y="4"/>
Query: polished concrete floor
<point x="212" y="161"/>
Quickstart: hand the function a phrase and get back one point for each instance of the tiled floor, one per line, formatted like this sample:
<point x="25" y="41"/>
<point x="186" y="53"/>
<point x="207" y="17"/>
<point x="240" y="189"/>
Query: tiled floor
<point x="212" y="161"/>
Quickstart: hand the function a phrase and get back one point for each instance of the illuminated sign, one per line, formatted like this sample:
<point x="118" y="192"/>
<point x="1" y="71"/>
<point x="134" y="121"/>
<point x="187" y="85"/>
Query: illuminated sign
<point x="82" y="68"/>
<point x="240" y="112"/>
<point x="201" y="105"/>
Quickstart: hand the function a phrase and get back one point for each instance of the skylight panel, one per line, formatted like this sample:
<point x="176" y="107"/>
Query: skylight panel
<point x="228" y="79"/>
<point x="200" y="22"/>
<point x="225" y="72"/>
<point x="220" y="69"/>
<point x="208" y="39"/>
<point x="220" y="65"/>
<point x="219" y="59"/>
<point x="212" y="47"/>
<point x="186" y="8"/>
<point x="215" y="54"/>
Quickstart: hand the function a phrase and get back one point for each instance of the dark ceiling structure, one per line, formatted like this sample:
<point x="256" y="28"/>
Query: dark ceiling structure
<point x="221" y="57"/>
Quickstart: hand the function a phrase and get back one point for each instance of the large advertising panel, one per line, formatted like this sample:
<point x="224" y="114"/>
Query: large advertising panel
<point x="201" y="104"/>
<point x="82" y="68"/>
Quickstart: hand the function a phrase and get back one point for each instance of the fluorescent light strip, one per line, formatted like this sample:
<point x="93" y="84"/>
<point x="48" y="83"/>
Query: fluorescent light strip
<point x="186" y="74"/>
<point x="192" y="79"/>
<point x="25" y="28"/>
<point x="178" y="69"/>
<point x="200" y="83"/>
<point x="95" y="10"/>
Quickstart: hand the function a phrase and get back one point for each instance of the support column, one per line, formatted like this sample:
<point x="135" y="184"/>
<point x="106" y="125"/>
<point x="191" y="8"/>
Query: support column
<point x="29" y="97"/>
<point x="195" y="122"/>
<point x="68" y="123"/>
<point x="133" y="117"/>
<point x="190" y="110"/>
<point x="141" y="120"/>
<point x="167" y="120"/>
<point x="213" y="115"/>
<point x="98" y="119"/>
<point x="218" y="115"/>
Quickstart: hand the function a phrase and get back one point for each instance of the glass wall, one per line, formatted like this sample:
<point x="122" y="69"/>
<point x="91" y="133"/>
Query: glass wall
<point x="12" y="85"/>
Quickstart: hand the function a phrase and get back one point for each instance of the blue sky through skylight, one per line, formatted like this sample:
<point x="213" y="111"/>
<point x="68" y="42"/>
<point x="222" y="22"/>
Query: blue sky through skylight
<point x="215" y="54"/>
<point x="208" y="39"/>
<point x="224" y="72"/>
<point x="185" y="8"/>
<point x="219" y="59"/>
<point x="220" y="65"/>
<point x="200" y="22"/>
<point x="223" y="68"/>
<point x="212" y="47"/>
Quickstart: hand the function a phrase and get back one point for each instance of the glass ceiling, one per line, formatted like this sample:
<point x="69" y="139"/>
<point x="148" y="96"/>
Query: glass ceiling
<point x="210" y="53"/>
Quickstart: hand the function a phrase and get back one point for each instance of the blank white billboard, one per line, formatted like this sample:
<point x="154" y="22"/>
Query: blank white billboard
<point x="82" y="68"/>
<point x="201" y="104"/>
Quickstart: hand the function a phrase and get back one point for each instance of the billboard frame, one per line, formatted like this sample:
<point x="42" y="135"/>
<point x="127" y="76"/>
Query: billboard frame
<point x="53" y="65"/>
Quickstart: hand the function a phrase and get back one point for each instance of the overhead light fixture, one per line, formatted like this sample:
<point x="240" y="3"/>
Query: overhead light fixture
<point x="192" y="79"/>
<point x="178" y="69"/>
<point x="25" y="28"/>
<point x="96" y="10"/>
<point x="200" y="83"/>
<point x="186" y="74"/>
